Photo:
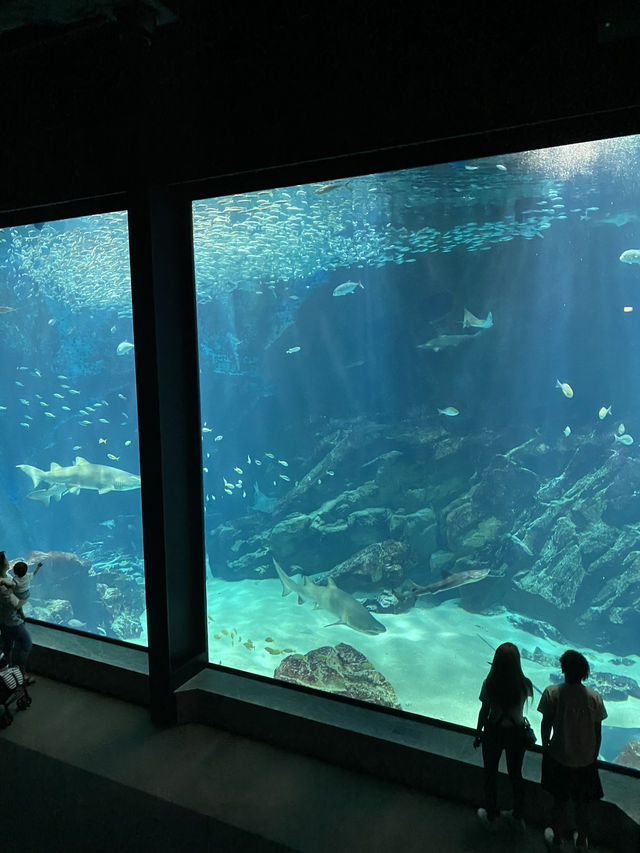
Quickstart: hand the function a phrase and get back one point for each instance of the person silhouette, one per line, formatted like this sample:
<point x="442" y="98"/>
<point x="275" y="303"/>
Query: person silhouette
<point x="574" y="713"/>
<point x="500" y="727"/>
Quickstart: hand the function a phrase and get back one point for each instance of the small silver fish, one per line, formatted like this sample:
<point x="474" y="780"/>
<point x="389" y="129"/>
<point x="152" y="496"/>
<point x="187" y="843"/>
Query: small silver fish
<point x="630" y="256"/>
<point x="624" y="439"/>
<point x="347" y="287"/>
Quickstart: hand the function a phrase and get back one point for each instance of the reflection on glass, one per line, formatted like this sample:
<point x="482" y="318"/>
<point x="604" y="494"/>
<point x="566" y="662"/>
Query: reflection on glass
<point x="70" y="489"/>
<point x="419" y="405"/>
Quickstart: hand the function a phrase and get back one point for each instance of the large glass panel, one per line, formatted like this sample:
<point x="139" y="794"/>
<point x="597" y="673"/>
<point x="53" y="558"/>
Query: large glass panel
<point x="70" y="495"/>
<point x="419" y="410"/>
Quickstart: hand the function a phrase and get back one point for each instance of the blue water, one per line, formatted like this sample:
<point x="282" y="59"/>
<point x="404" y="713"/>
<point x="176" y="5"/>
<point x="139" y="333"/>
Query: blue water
<point x="343" y="390"/>
<point x="68" y="399"/>
<point x="321" y="436"/>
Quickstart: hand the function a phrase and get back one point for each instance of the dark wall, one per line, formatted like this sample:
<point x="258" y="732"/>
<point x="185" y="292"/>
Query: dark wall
<point x="94" y="109"/>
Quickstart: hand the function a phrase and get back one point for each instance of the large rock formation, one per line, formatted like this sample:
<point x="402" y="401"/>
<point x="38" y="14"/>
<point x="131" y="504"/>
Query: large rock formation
<point x="629" y="756"/>
<point x="339" y="669"/>
<point x="557" y="523"/>
<point x="378" y="563"/>
<point x="68" y="591"/>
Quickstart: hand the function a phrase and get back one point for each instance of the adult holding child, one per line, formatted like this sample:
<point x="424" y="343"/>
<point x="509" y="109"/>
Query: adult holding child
<point x="16" y="641"/>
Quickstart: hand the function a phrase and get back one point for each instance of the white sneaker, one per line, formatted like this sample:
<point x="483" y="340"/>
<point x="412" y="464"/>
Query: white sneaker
<point x="549" y="839"/>
<point x="491" y="825"/>
<point x="484" y="817"/>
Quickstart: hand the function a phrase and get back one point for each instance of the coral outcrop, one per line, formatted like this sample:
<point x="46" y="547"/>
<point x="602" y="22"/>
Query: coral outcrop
<point x="339" y="669"/>
<point x="68" y="591"/>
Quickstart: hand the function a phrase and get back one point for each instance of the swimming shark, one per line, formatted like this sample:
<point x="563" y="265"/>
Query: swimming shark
<point x="449" y="581"/>
<point x="445" y="341"/>
<point x="349" y="611"/>
<point x="82" y="475"/>
<point x="55" y="491"/>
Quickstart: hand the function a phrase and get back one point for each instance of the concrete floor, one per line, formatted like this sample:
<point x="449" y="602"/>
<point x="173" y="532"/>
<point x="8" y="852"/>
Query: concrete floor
<point x="89" y="772"/>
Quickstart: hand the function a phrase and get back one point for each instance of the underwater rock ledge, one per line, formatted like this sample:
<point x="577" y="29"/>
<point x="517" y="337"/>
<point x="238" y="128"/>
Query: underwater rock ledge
<point x="556" y="525"/>
<point x="339" y="669"/>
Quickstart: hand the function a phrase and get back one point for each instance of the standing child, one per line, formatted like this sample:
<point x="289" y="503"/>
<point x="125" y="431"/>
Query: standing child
<point x="569" y="763"/>
<point x="22" y="582"/>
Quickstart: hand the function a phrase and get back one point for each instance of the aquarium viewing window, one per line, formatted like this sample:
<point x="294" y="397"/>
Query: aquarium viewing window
<point x="70" y="469"/>
<point x="418" y="420"/>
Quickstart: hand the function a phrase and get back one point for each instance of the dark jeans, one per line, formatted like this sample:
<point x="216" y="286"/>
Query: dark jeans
<point x="509" y="739"/>
<point x="16" y="645"/>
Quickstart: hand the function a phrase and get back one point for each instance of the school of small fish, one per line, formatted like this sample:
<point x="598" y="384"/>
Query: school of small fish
<point x="231" y="483"/>
<point x="620" y="435"/>
<point x="86" y="412"/>
<point x="270" y="243"/>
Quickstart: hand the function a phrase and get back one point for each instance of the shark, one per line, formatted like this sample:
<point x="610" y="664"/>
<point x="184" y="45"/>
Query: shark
<point x="349" y="611"/>
<point x="445" y="341"/>
<point x="55" y="491"/>
<point x="448" y="581"/>
<point x="81" y="475"/>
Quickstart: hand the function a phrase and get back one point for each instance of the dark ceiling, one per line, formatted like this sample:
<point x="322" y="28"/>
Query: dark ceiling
<point x="34" y="22"/>
<point x="108" y="95"/>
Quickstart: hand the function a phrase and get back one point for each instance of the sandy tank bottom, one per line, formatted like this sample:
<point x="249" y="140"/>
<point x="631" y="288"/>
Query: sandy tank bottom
<point x="435" y="656"/>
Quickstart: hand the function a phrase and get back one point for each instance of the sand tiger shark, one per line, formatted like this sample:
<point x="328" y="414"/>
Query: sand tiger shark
<point x="55" y="491"/>
<point x="349" y="611"/>
<point x="445" y="341"/>
<point x="449" y="581"/>
<point x="81" y="475"/>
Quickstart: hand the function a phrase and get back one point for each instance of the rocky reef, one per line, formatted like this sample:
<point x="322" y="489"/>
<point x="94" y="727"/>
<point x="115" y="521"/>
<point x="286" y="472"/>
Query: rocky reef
<point x="68" y="591"/>
<point x="339" y="669"/>
<point x="629" y="756"/>
<point x="555" y="522"/>
<point x="612" y="687"/>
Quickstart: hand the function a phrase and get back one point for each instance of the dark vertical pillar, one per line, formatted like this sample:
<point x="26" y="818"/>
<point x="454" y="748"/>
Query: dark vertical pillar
<point x="164" y="319"/>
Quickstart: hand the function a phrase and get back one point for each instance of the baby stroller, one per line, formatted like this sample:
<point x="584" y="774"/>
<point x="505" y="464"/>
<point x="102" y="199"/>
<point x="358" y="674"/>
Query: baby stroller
<point x="12" y="689"/>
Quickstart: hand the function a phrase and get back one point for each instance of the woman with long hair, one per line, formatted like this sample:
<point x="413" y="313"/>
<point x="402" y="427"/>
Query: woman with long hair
<point x="500" y="727"/>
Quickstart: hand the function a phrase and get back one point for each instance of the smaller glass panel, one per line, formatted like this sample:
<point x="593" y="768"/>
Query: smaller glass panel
<point x="69" y="481"/>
